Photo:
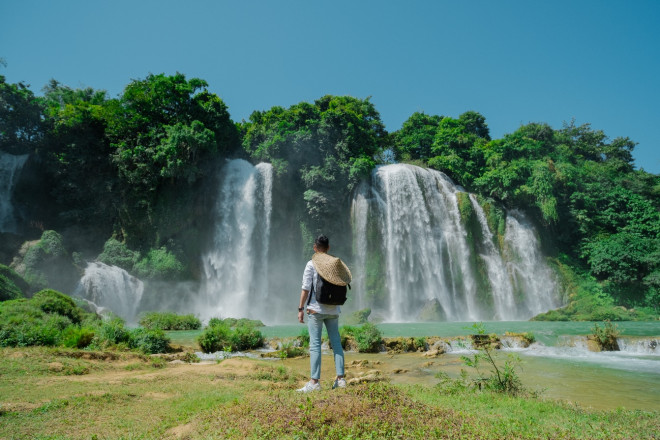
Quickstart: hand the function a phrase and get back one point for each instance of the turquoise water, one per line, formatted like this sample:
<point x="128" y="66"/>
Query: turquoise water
<point x="564" y="369"/>
<point x="545" y="332"/>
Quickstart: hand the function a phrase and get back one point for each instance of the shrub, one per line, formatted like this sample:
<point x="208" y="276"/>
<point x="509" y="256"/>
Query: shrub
<point x="149" y="340"/>
<point x="39" y="320"/>
<point x="290" y="351"/>
<point x="77" y="337"/>
<point x="112" y="332"/>
<point x="246" y="337"/>
<point x="170" y="321"/>
<point x="215" y="337"/>
<point x="160" y="264"/>
<point x="116" y="253"/>
<point x="52" y="301"/>
<point x="22" y="323"/>
<point x="368" y="338"/>
<point x="11" y="280"/>
<point x="219" y="336"/>
<point x="9" y="290"/>
<point x="606" y="337"/>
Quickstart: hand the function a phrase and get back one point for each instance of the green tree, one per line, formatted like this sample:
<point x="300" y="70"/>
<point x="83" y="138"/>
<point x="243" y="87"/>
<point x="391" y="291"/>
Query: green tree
<point x="21" y="129"/>
<point x="415" y="138"/>
<point x="166" y="132"/>
<point x="322" y="149"/>
<point x="75" y="144"/>
<point x="457" y="147"/>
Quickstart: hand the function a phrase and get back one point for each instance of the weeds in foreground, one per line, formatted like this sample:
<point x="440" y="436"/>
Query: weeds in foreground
<point x="502" y="379"/>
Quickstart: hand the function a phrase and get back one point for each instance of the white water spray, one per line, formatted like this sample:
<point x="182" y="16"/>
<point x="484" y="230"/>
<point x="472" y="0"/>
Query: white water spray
<point x="236" y="267"/>
<point x="428" y="258"/>
<point x="113" y="288"/>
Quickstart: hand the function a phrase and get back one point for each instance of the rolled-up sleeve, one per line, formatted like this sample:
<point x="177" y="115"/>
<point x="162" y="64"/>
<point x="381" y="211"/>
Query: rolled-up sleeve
<point x="308" y="276"/>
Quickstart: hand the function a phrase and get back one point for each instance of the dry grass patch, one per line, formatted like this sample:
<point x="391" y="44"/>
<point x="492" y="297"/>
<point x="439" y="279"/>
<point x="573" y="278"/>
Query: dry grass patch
<point x="365" y="411"/>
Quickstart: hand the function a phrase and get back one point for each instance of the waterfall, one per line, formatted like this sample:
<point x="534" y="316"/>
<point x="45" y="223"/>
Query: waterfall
<point x="531" y="276"/>
<point x="10" y="166"/>
<point x="359" y="218"/>
<point x="434" y="265"/>
<point x="426" y="253"/>
<point x="113" y="288"/>
<point x="504" y="303"/>
<point x="236" y="267"/>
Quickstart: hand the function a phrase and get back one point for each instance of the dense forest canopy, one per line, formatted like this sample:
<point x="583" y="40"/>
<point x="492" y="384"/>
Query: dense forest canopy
<point x="131" y="172"/>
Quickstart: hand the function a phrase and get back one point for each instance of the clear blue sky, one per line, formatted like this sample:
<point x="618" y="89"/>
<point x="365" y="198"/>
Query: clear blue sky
<point x="597" y="61"/>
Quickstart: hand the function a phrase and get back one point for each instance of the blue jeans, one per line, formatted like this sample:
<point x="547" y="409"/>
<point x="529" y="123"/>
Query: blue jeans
<point x="315" y="324"/>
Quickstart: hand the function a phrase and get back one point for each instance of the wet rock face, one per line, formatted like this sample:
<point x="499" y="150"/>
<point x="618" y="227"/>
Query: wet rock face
<point x="486" y="341"/>
<point x="403" y="345"/>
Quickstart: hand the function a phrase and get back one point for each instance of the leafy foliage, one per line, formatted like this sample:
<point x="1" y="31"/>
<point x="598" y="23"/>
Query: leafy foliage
<point x="149" y="340"/>
<point x="324" y="148"/>
<point x="368" y="337"/>
<point x="21" y="128"/>
<point x="606" y="336"/>
<point x="169" y="321"/>
<point x="218" y="335"/>
<point x="161" y="264"/>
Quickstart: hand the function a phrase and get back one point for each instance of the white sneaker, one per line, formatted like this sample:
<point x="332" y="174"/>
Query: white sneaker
<point x="309" y="387"/>
<point x="339" y="383"/>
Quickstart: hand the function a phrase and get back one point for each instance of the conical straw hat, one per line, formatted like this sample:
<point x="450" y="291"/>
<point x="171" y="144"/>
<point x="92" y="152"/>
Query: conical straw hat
<point x="331" y="269"/>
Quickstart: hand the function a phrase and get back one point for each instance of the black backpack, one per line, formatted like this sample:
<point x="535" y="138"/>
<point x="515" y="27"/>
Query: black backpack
<point x="328" y="293"/>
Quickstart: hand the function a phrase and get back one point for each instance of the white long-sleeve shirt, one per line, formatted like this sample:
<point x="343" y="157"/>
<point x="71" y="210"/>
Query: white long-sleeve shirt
<point x="311" y="276"/>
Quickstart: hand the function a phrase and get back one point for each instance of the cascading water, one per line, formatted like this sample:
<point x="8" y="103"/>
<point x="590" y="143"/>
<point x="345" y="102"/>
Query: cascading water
<point x="425" y="248"/>
<point x="236" y="268"/>
<point x="10" y="166"/>
<point x="359" y="218"/>
<point x="532" y="278"/>
<point x="433" y="267"/>
<point x="503" y="299"/>
<point x="113" y="288"/>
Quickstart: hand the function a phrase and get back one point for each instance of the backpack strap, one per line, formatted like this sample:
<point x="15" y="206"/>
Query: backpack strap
<point x="311" y="292"/>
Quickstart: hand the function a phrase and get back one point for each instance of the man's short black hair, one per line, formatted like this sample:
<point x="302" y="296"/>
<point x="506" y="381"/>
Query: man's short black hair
<point x="322" y="242"/>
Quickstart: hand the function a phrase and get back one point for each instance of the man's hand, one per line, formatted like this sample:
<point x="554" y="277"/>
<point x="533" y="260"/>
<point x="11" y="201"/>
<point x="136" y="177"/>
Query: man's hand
<point x="301" y="317"/>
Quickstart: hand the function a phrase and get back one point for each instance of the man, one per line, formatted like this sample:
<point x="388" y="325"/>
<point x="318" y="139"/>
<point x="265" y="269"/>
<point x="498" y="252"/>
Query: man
<point x="335" y="271"/>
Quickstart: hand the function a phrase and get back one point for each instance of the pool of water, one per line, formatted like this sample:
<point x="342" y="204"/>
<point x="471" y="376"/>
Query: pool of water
<point x="558" y="364"/>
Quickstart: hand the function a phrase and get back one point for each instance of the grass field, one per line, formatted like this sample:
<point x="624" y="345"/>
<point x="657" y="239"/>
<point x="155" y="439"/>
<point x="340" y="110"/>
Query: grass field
<point x="73" y="394"/>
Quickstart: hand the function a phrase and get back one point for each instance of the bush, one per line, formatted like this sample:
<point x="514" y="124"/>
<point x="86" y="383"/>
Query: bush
<point x="606" y="337"/>
<point x="12" y="285"/>
<point x="23" y="323"/>
<point x="215" y="337"/>
<point x="116" y="253"/>
<point x="170" y="321"/>
<point x="160" y="264"/>
<point x="52" y="301"/>
<point x="39" y="320"/>
<point x="77" y="337"/>
<point x="9" y="290"/>
<point x="149" y="340"/>
<point x="368" y="338"/>
<point x="219" y="336"/>
<point x="111" y="332"/>
<point x="246" y="337"/>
